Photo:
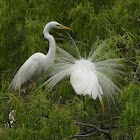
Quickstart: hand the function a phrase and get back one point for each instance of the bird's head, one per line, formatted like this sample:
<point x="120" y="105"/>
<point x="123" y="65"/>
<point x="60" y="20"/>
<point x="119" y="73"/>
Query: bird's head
<point x="54" y="24"/>
<point x="57" y="25"/>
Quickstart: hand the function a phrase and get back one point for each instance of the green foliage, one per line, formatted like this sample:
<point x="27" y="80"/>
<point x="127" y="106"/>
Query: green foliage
<point x="129" y="120"/>
<point x="31" y="122"/>
<point x="21" y="26"/>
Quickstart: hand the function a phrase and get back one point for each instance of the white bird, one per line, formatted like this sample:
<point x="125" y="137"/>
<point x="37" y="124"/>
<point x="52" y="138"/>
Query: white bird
<point x="84" y="80"/>
<point x="38" y="62"/>
<point x="92" y="76"/>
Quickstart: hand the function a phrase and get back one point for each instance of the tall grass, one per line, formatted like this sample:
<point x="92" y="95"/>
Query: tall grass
<point x="21" y="26"/>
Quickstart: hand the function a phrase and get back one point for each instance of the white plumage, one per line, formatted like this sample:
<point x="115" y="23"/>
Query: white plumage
<point x="84" y="79"/>
<point x="38" y="62"/>
<point x="92" y="76"/>
<point x="30" y="70"/>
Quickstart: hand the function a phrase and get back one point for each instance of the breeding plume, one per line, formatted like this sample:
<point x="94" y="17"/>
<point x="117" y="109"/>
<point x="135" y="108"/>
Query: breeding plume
<point x="38" y="62"/>
<point x="90" y="76"/>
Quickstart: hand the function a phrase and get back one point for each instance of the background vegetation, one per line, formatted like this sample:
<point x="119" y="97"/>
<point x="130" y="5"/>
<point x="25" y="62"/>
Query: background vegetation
<point x="42" y="115"/>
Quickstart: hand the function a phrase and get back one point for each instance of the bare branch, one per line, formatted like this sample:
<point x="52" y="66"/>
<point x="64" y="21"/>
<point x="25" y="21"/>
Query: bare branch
<point x="94" y="130"/>
<point x="84" y="135"/>
<point x="135" y="75"/>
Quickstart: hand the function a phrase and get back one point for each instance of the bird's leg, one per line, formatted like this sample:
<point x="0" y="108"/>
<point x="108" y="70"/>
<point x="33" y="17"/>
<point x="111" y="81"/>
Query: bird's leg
<point x="84" y="107"/>
<point x="37" y="84"/>
<point x="102" y="125"/>
<point x="24" y="91"/>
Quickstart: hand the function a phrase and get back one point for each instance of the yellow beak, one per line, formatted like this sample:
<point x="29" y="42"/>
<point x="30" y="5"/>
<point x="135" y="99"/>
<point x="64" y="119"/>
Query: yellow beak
<point x="102" y="105"/>
<point x="64" y="27"/>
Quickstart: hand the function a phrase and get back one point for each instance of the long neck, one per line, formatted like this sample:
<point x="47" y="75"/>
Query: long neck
<point x="52" y="46"/>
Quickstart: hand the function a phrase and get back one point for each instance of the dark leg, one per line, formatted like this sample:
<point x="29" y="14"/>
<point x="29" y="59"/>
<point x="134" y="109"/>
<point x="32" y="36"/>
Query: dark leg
<point x="37" y="84"/>
<point x="24" y="91"/>
<point x="102" y="125"/>
<point x="84" y="107"/>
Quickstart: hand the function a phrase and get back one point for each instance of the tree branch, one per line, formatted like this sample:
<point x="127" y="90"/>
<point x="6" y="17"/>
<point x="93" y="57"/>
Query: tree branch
<point x="94" y="130"/>
<point x="135" y="75"/>
<point x="84" y="135"/>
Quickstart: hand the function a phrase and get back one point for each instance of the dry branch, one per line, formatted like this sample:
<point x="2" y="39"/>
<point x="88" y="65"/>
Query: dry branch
<point x="94" y="130"/>
<point x="135" y="75"/>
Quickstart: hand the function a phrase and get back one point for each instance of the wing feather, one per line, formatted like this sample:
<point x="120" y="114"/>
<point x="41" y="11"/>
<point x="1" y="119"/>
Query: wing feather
<point x="24" y="74"/>
<point x="85" y="83"/>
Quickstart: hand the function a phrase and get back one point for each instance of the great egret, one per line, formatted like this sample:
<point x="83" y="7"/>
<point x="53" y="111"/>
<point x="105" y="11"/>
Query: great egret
<point x="92" y="76"/>
<point x="38" y="62"/>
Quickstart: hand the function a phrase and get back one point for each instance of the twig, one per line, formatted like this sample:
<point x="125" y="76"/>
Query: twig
<point x="98" y="129"/>
<point x="86" y="135"/>
<point x="135" y="75"/>
<point x="6" y="71"/>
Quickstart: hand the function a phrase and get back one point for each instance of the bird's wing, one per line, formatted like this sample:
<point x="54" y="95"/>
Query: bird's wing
<point x="85" y="83"/>
<point x="24" y="74"/>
